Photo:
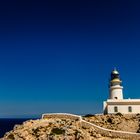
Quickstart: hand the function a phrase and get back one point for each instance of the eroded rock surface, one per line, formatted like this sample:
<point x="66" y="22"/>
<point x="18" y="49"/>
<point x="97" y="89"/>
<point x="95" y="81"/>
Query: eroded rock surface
<point x="130" y="123"/>
<point x="68" y="129"/>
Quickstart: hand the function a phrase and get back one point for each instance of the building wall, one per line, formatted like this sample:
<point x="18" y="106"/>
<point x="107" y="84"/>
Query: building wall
<point x="116" y="92"/>
<point x="105" y="107"/>
<point x="123" y="109"/>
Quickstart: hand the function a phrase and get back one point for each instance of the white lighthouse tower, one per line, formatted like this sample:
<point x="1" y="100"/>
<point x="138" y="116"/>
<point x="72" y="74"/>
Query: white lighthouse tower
<point x="116" y="103"/>
<point x="116" y="89"/>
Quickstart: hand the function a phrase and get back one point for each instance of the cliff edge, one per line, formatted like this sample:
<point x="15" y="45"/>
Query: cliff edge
<point x="68" y="129"/>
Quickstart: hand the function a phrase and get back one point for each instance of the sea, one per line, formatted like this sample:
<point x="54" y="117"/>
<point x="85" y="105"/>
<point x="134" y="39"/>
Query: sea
<point x="8" y="124"/>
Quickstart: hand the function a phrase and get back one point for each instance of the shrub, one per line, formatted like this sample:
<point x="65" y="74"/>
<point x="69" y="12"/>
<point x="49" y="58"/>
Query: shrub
<point x="109" y="120"/>
<point x="89" y="115"/>
<point x="138" y="131"/>
<point x="119" y="114"/>
<point x="57" y="131"/>
<point x="11" y="137"/>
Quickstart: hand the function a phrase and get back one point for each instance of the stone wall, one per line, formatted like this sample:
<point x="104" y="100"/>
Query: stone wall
<point x="61" y="116"/>
<point x="100" y="130"/>
<point x="111" y="133"/>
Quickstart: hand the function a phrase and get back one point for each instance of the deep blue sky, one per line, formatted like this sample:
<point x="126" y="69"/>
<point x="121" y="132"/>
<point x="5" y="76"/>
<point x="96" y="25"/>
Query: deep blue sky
<point x="56" y="56"/>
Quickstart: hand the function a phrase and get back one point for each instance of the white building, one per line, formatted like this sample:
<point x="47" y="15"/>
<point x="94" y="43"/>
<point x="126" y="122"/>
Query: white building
<point x="116" y="103"/>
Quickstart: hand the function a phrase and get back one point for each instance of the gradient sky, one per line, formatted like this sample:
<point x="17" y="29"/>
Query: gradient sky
<point x="57" y="55"/>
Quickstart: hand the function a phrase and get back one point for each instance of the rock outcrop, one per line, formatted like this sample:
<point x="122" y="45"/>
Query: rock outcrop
<point x="68" y="129"/>
<point x="130" y="123"/>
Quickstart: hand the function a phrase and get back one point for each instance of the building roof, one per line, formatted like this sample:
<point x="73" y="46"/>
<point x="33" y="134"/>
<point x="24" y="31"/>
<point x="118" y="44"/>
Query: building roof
<point x="115" y="71"/>
<point x="123" y="102"/>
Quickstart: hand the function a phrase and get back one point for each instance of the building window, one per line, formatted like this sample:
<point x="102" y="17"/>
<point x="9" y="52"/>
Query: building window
<point x="129" y="109"/>
<point x="116" y="97"/>
<point x="115" y="109"/>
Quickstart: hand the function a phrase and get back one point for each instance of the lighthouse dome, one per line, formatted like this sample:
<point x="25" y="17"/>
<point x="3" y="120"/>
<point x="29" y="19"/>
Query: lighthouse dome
<point x="114" y="72"/>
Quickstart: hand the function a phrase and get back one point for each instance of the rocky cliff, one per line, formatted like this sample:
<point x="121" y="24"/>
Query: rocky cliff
<point x="67" y="129"/>
<point x="130" y="123"/>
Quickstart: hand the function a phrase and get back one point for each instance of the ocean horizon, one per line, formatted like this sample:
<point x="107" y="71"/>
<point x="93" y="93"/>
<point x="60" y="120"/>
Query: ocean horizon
<point x="7" y="124"/>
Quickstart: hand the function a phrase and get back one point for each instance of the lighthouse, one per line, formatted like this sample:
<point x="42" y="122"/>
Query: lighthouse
<point x="116" y="103"/>
<point x="115" y="86"/>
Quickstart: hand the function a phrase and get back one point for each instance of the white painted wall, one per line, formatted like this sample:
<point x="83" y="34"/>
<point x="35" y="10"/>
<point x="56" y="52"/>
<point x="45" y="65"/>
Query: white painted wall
<point x="116" y="92"/>
<point x="123" y="109"/>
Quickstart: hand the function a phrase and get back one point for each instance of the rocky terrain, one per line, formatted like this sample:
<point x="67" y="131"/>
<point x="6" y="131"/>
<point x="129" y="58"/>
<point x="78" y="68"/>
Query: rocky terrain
<point x="130" y="123"/>
<point x="67" y="129"/>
